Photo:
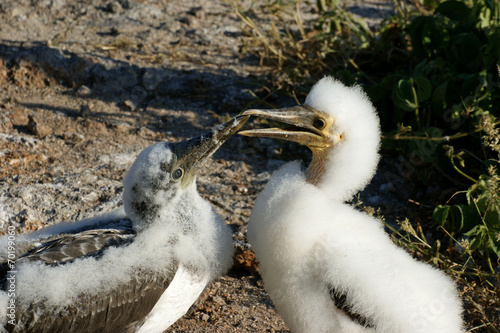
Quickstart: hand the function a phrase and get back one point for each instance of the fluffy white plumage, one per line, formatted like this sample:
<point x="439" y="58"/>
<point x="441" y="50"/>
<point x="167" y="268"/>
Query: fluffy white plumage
<point x="174" y="244"/>
<point x="351" y="164"/>
<point x="313" y="248"/>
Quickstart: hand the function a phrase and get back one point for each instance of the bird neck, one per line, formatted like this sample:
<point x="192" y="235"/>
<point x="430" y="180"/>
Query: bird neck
<point x="316" y="168"/>
<point x="346" y="168"/>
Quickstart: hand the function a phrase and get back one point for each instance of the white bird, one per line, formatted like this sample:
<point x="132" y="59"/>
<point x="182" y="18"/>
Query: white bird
<point x="137" y="269"/>
<point x="326" y="266"/>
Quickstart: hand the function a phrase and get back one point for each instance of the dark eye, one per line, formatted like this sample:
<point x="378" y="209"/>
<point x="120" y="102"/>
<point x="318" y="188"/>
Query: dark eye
<point x="177" y="174"/>
<point x="319" y="123"/>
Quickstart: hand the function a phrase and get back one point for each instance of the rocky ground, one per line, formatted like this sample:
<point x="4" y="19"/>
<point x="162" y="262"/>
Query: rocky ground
<point x="86" y="85"/>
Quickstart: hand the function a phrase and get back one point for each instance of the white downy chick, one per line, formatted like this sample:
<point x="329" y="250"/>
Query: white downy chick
<point x="137" y="269"/>
<point x="326" y="266"/>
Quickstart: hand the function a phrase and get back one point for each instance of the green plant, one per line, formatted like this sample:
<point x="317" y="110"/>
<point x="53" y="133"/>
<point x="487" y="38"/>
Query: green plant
<point x="477" y="220"/>
<point x="450" y="65"/>
<point x="295" y="51"/>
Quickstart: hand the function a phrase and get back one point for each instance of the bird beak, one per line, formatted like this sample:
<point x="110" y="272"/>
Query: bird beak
<point x="193" y="153"/>
<point x="308" y="126"/>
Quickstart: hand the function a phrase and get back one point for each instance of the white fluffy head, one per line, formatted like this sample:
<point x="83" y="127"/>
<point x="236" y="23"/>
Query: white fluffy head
<point x="148" y="185"/>
<point x="353" y="161"/>
<point x="164" y="207"/>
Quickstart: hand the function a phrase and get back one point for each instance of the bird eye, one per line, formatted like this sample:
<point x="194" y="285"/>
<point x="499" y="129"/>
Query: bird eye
<point x="177" y="174"/>
<point x="319" y="123"/>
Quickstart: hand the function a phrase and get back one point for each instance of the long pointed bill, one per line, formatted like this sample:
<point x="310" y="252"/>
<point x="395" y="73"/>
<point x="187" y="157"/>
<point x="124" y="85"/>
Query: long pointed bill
<point x="306" y="125"/>
<point x="195" y="152"/>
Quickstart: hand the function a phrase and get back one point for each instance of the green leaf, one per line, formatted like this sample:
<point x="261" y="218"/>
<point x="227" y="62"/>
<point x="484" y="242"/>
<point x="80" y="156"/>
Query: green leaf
<point x="436" y="246"/>
<point x="424" y="88"/>
<point x="475" y="243"/>
<point x="439" y="97"/>
<point x="456" y="227"/>
<point x="456" y="218"/>
<point x="489" y="208"/>
<point x="479" y="233"/>
<point x="410" y="92"/>
<point x="404" y="95"/>
<point x="425" y="35"/>
<point x="494" y="245"/>
<point x="440" y="214"/>
<point x="454" y="10"/>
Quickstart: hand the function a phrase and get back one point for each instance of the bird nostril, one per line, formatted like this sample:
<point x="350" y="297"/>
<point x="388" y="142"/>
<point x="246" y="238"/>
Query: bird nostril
<point x="318" y="123"/>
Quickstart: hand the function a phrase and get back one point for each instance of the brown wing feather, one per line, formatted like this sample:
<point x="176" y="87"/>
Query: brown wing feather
<point x="123" y="310"/>
<point x="341" y="302"/>
<point x="61" y="249"/>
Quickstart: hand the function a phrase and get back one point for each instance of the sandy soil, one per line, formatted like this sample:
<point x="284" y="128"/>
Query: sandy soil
<point x="86" y="85"/>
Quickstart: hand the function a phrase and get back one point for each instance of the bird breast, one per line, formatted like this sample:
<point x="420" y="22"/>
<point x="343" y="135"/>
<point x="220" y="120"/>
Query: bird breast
<point x="284" y="217"/>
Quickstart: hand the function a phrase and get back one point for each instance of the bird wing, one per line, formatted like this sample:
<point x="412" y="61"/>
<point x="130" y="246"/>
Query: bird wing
<point x="346" y="262"/>
<point x="341" y="302"/>
<point x="121" y="310"/>
<point x="183" y="291"/>
<point x="65" y="248"/>
<point x="59" y="249"/>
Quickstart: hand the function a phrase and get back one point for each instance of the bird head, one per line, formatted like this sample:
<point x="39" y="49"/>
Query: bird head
<point x="164" y="170"/>
<point x="308" y="126"/>
<point x="341" y="128"/>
